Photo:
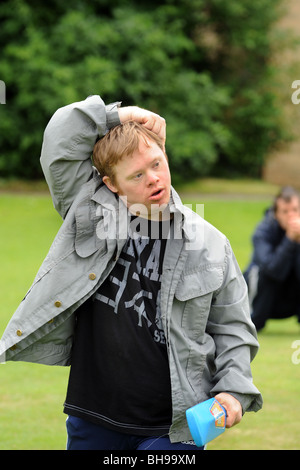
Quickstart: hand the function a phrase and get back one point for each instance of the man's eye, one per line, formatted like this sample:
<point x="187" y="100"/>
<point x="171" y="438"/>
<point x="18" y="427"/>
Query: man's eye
<point x="138" y="176"/>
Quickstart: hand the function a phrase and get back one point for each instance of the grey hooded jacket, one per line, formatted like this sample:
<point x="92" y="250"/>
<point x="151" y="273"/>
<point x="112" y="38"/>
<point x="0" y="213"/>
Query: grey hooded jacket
<point x="204" y="305"/>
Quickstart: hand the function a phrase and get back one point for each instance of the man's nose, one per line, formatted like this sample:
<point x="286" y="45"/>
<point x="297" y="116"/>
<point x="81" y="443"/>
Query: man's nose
<point x="152" y="178"/>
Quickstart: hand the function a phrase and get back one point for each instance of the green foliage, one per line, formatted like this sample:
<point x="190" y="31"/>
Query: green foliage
<point x="203" y="65"/>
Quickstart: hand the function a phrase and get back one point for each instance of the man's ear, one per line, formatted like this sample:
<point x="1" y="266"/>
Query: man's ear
<point x="107" y="181"/>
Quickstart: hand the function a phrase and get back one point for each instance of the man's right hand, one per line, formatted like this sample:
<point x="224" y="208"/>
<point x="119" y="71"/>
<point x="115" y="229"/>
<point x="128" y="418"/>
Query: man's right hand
<point x="151" y="121"/>
<point x="293" y="229"/>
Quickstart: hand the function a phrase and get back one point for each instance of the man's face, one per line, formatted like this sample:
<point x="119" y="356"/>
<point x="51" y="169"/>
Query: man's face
<point x="143" y="180"/>
<point x="286" y="211"/>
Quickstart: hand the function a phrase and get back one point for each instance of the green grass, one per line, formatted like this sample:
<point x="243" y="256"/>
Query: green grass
<point x="32" y="396"/>
<point x="234" y="187"/>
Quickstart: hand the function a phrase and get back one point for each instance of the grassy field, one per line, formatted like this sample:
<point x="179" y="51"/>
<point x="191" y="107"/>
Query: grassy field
<point x="32" y="396"/>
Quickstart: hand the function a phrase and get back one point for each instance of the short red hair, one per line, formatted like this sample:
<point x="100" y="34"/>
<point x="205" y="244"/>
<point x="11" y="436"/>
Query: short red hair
<point x="121" y="141"/>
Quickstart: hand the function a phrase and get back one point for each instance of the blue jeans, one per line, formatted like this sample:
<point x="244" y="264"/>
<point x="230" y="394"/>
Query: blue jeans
<point x="84" y="435"/>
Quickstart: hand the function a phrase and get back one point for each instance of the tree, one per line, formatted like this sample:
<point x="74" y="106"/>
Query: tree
<point x="203" y="65"/>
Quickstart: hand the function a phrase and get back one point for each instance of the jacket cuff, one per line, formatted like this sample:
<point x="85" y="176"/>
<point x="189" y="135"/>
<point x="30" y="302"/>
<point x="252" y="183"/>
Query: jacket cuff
<point x="245" y="400"/>
<point x="112" y="114"/>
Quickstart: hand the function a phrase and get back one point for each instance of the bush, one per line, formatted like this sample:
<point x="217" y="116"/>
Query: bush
<point x="203" y="65"/>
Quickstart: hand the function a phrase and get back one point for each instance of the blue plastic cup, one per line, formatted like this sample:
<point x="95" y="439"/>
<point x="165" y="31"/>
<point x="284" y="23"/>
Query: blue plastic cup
<point x="206" y="421"/>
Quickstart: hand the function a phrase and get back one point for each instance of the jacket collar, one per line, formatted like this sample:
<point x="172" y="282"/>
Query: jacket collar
<point x="105" y="198"/>
<point x="188" y="222"/>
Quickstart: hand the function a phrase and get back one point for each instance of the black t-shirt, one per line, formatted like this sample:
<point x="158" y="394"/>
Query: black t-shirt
<point x="120" y="376"/>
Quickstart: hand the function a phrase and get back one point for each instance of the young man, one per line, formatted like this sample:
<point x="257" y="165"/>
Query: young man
<point x="273" y="275"/>
<point x="150" y="325"/>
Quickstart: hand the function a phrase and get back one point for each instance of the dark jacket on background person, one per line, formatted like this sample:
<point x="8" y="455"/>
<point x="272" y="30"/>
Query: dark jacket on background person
<point x="273" y="275"/>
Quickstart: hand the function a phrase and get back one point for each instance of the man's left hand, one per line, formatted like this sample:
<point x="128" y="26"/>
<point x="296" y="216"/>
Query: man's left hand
<point x="232" y="406"/>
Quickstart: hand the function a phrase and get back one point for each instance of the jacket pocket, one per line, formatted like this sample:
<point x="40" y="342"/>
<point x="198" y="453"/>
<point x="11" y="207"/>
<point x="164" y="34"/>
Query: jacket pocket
<point x="195" y="290"/>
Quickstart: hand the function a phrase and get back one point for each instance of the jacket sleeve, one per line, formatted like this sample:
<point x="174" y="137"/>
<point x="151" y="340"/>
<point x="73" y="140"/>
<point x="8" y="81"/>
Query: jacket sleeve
<point x="274" y="259"/>
<point x="67" y="147"/>
<point x="235" y="338"/>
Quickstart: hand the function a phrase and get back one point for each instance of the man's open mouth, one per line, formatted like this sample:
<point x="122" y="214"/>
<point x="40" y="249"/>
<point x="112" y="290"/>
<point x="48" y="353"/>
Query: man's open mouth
<point x="157" y="194"/>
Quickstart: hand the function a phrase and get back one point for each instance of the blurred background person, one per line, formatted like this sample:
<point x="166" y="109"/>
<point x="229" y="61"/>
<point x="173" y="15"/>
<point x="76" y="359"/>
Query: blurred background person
<point x="273" y="275"/>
